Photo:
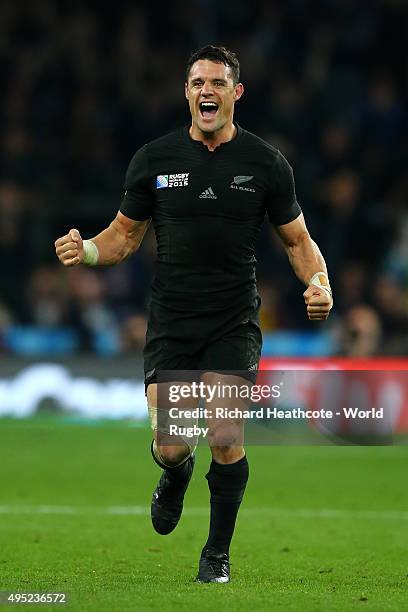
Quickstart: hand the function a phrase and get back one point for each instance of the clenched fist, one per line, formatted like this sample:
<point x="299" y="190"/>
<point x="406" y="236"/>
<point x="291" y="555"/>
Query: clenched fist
<point x="318" y="302"/>
<point x="70" y="248"/>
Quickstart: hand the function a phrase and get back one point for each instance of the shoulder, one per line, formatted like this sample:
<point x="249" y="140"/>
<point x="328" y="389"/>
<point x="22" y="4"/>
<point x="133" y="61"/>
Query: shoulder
<point x="257" y="144"/>
<point x="274" y="162"/>
<point x="165" y="151"/>
<point x="154" y="150"/>
<point x="159" y="144"/>
<point x="163" y="142"/>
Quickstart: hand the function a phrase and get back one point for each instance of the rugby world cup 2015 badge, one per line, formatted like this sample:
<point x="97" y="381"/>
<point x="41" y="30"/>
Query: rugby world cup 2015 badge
<point x="172" y="180"/>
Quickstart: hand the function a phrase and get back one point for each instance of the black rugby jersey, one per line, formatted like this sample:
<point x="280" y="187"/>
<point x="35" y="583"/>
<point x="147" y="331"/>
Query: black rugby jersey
<point x="207" y="208"/>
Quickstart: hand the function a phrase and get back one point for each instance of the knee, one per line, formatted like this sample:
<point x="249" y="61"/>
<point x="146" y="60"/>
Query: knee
<point x="226" y="443"/>
<point x="225" y="437"/>
<point x="173" y="455"/>
<point x="227" y="454"/>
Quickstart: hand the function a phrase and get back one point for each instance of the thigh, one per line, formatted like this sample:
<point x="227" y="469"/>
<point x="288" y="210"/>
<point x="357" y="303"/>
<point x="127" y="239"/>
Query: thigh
<point x="166" y="359"/>
<point x="237" y="351"/>
<point x="173" y="412"/>
<point x="225" y="408"/>
<point x="169" y="346"/>
<point x="228" y="364"/>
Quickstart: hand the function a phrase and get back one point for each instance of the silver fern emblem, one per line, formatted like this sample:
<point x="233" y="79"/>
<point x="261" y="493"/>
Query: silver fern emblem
<point x="242" y="179"/>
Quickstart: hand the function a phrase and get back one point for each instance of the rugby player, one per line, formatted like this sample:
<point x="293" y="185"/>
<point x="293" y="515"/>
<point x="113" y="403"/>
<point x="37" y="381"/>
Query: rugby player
<point x="207" y="188"/>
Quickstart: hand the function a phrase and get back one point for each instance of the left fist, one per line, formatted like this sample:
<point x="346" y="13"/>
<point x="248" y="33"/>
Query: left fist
<point x="319" y="303"/>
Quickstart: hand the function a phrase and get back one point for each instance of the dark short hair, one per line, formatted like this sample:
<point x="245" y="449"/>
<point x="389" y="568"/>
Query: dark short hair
<point x="219" y="55"/>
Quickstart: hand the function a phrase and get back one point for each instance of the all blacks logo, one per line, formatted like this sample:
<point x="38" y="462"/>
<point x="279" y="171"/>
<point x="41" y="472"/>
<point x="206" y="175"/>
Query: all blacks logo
<point x="237" y="183"/>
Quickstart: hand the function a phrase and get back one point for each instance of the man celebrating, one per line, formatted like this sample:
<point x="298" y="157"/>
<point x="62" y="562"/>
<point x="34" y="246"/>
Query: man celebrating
<point x="207" y="188"/>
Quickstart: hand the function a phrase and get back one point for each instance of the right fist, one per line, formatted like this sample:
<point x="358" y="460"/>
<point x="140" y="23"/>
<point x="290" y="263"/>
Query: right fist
<point x="70" y="249"/>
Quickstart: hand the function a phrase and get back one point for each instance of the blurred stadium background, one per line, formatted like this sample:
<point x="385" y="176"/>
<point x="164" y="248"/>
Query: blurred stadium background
<point x="84" y="85"/>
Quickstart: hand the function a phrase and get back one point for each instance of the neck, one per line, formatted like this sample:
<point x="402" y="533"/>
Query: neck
<point x="212" y="140"/>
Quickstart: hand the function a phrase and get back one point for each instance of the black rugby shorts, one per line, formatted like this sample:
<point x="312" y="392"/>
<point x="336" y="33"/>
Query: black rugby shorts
<point x="221" y="348"/>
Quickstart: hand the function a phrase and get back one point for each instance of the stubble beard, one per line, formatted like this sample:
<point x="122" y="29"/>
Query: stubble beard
<point x="211" y="133"/>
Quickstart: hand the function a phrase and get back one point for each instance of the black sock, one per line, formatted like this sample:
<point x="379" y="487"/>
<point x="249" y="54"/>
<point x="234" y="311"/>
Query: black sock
<point x="177" y="473"/>
<point x="227" y="486"/>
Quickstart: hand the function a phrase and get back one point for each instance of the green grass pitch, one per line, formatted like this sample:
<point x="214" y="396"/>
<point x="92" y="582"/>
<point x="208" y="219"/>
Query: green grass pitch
<point x="321" y="528"/>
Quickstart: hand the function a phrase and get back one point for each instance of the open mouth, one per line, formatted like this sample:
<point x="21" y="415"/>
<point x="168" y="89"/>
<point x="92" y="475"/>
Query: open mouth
<point x="208" y="110"/>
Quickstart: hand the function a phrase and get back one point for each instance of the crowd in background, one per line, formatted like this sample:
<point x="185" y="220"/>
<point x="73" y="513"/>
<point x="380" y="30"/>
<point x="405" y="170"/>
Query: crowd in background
<point x="84" y="85"/>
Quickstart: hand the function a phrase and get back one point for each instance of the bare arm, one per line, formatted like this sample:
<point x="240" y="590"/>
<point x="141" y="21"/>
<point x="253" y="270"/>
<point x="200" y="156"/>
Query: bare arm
<point x="304" y="254"/>
<point x="114" y="244"/>
<point x="118" y="241"/>
<point x="307" y="261"/>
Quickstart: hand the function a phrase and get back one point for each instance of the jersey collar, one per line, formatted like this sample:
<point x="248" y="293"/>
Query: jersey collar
<point x="222" y="146"/>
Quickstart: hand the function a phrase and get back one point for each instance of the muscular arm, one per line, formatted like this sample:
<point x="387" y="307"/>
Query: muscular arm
<point x="118" y="241"/>
<point x="304" y="254"/>
<point x="306" y="261"/>
<point x="114" y="244"/>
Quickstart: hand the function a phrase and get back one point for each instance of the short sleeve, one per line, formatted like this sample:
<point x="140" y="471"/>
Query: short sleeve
<point x="137" y="202"/>
<point x="281" y="204"/>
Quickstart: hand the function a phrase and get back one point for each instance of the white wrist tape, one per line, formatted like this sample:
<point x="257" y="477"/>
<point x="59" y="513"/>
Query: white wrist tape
<point x="321" y="280"/>
<point x="91" y="253"/>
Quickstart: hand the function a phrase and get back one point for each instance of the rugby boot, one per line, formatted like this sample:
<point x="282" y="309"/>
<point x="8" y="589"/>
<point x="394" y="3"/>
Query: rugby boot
<point x="214" y="566"/>
<point x="168" y="497"/>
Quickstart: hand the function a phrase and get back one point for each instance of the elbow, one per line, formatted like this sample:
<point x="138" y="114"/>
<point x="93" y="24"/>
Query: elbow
<point x="298" y="243"/>
<point x="128" y="250"/>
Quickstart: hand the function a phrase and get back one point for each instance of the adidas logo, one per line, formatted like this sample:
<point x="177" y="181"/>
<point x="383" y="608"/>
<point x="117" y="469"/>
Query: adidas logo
<point x="208" y="193"/>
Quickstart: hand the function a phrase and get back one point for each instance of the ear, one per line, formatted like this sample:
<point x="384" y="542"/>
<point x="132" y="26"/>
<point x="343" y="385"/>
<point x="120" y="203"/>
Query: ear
<point x="239" y="90"/>
<point x="186" y="89"/>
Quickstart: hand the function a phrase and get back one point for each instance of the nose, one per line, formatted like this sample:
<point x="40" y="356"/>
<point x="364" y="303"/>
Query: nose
<point x="206" y="88"/>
